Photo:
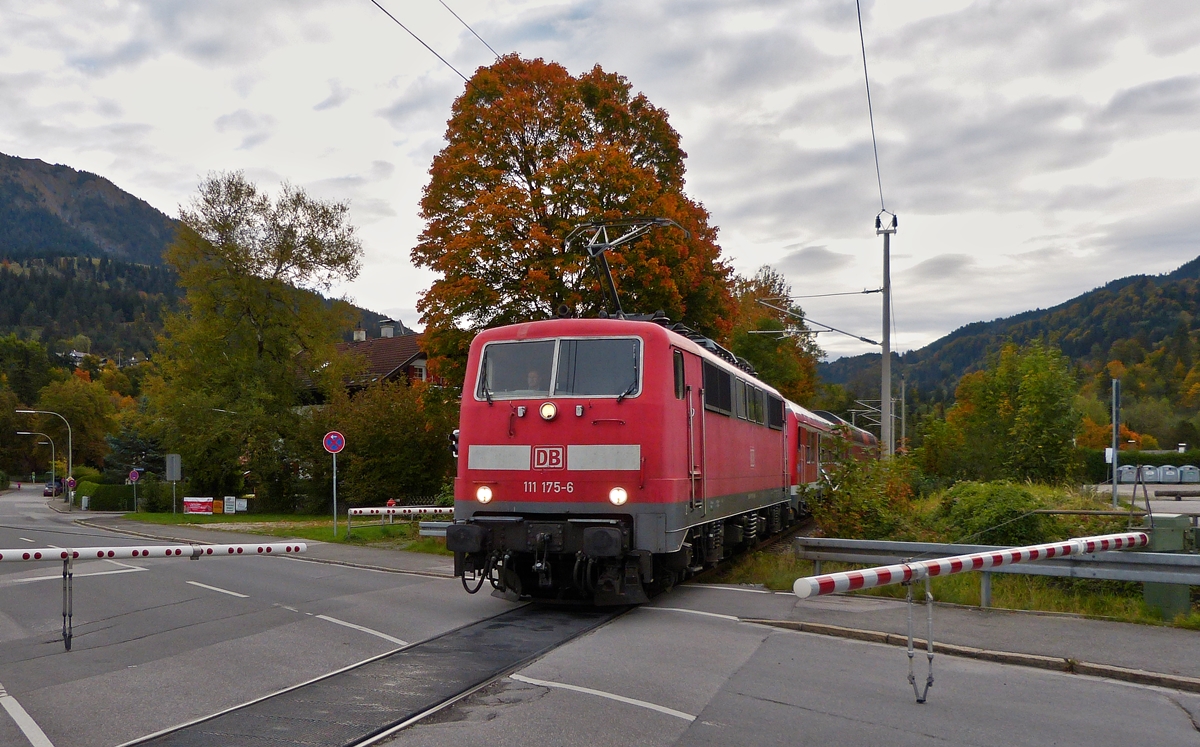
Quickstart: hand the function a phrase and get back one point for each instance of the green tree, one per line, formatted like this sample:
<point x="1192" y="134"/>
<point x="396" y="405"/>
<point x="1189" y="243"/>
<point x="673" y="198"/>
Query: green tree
<point x="1015" y="419"/>
<point x="90" y="410"/>
<point x="787" y="360"/>
<point x="397" y="442"/>
<point x="253" y="338"/>
<point x="24" y="367"/>
<point x="531" y="152"/>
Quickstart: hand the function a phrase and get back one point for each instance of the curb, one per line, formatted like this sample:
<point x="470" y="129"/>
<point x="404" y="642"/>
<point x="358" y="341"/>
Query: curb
<point x="309" y="559"/>
<point x="1053" y="663"/>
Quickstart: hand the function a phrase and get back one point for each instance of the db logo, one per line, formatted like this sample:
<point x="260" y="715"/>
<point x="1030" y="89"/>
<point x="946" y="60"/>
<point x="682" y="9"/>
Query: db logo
<point x="549" y="457"/>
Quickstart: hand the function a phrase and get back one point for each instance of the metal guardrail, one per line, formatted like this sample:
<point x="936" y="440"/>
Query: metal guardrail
<point x="1154" y="567"/>
<point x="434" y="528"/>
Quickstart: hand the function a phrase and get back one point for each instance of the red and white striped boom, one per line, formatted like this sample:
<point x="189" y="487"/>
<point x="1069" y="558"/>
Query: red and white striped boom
<point x="60" y="554"/>
<point x="403" y="511"/>
<point x="917" y="570"/>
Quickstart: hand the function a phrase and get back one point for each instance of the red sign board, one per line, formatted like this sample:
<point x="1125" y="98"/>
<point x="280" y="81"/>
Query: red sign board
<point x="197" y="505"/>
<point x="133" y="475"/>
<point x="71" y="483"/>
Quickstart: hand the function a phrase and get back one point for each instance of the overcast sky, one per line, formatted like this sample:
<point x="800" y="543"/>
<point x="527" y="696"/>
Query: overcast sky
<point x="1033" y="150"/>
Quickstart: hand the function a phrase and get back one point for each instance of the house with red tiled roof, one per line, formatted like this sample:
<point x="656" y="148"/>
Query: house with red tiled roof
<point x="391" y="356"/>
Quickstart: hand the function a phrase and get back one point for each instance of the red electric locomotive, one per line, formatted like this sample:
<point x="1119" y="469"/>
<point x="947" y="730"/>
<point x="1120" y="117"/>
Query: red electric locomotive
<point x="599" y="458"/>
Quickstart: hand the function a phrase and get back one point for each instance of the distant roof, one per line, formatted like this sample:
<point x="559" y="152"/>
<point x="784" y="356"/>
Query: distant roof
<point x="386" y="355"/>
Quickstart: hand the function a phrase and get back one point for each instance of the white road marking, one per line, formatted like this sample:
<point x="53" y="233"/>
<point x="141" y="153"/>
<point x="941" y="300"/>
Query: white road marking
<point x="602" y="694"/>
<point x="223" y="591"/>
<point x="24" y="539"/>
<point x="24" y="722"/>
<point x="58" y="577"/>
<point x="375" y="633"/>
<point x="724" y="588"/>
<point x="124" y="565"/>
<point x="694" y="612"/>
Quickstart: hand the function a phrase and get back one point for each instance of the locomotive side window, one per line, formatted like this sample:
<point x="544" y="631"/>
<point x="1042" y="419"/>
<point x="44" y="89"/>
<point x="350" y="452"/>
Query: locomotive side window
<point x="680" y="381"/>
<point x="516" y="369"/>
<point x="597" y="368"/>
<point x="718" y="389"/>
<point x="754" y="405"/>
<point x="739" y="397"/>
<point x="774" y="412"/>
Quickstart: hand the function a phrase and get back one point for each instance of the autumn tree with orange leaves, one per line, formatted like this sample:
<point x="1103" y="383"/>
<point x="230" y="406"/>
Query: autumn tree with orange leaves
<point x="533" y="151"/>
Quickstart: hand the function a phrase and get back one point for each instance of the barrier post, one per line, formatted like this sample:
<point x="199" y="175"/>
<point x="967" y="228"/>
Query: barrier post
<point x="985" y="589"/>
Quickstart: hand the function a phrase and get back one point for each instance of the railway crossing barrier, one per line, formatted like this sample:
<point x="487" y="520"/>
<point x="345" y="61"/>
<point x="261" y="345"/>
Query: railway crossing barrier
<point x="391" y="512"/>
<point x="68" y="555"/>
<point x="989" y="559"/>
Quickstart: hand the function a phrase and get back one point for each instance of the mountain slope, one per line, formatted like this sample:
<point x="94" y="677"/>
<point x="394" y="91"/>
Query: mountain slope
<point x="55" y="210"/>
<point x="1147" y="309"/>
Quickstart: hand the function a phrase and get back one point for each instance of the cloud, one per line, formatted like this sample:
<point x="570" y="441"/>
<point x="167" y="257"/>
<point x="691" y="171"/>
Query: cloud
<point x="337" y="96"/>
<point x="813" y="260"/>
<point x="944" y="267"/>
<point x="256" y="128"/>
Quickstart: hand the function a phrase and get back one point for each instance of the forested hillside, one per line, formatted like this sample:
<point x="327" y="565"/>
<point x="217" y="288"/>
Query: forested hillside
<point x="55" y="210"/>
<point x="1141" y="329"/>
<point x="92" y="305"/>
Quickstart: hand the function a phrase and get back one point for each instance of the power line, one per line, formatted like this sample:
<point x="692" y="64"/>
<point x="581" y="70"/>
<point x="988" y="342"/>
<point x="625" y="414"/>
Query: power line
<point x="423" y="44"/>
<point x="828" y="295"/>
<point x="468" y="28"/>
<point x="870" y="111"/>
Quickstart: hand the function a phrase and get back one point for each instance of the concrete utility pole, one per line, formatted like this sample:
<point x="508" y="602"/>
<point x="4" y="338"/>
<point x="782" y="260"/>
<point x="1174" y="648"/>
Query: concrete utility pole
<point x="887" y="443"/>
<point x="1116" y="436"/>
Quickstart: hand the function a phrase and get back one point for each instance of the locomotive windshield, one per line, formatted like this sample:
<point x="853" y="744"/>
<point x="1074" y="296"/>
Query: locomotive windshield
<point x="594" y="367"/>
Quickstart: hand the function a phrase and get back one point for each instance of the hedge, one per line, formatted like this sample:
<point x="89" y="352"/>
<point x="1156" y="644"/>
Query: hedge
<point x="3" y="480"/>
<point x="106" y="497"/>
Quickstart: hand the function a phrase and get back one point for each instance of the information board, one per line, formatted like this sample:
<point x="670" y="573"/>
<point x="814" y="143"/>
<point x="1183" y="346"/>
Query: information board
<point x="230" y="504"/>
<point x="197" y="505"/>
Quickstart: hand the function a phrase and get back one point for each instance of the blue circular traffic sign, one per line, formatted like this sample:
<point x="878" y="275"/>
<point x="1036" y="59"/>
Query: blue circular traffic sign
<point x="334" y="442"/>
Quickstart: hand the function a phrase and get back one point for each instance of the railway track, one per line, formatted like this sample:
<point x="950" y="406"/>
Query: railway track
<point x="368" y="702"/>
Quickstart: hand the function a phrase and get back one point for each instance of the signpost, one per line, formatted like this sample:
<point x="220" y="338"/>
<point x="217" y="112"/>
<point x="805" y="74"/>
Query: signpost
<point x="174" y="474"/>
<point x="133" y="478"/>
<point x="334" y="442"/>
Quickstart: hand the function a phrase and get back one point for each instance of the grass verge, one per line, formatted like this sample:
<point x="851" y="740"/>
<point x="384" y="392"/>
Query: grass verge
<point x="402" y="535"/>
<point x="1111" y="600"/>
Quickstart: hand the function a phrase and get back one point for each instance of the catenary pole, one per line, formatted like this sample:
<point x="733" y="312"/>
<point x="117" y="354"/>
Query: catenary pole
<point x="886" y="440"/>
<point x="1116" y="436"/>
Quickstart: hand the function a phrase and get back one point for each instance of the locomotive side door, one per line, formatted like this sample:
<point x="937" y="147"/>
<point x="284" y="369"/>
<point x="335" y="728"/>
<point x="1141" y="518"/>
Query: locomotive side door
<point x="687" y="375"/>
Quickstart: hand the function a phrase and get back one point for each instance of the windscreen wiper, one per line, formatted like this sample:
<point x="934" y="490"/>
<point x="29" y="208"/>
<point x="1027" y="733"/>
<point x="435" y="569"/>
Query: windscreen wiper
<point x="633" y="384"/>
<point x="483" y="380"/>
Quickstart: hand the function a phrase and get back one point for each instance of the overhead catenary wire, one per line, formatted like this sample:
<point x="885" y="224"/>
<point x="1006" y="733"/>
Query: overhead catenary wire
<point x="468" y="28"/>
<point x="870" y="110"/>
<point x="422" y="41"/>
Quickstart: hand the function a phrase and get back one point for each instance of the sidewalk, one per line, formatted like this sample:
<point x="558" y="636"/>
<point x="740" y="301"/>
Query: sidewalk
<point x="396" y="561"/>
<point x="1049" y="641"/>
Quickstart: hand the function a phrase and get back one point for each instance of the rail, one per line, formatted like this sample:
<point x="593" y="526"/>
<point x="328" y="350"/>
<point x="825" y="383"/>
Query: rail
<point x="1156" y="567"/>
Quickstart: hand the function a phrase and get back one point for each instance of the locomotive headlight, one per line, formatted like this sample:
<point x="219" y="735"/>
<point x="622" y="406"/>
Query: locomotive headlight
<point x="618" y="496"/>
<point x="484" y="494"/>
<point x="548" y="410"/>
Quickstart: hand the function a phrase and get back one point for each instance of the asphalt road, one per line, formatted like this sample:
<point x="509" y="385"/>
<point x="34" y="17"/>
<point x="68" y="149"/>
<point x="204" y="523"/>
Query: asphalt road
<point x="160" y="642"/>
<point x="690" y="677"/>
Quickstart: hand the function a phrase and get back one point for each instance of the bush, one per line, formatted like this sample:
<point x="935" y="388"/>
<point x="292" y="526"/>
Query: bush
<point x="996" y="513"/>
<point x="3" y="480"/>
<point x="867" y="499"/>
<point x="84" y="473"/>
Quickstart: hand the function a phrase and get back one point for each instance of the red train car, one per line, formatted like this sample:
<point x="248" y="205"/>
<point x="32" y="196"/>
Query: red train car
<point x="601" y="457"/>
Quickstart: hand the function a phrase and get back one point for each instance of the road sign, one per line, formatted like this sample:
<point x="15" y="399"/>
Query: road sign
<point x="334" y="442"/>
<point x="174" y="468"/>
<point x="133" y="475"/>
<point x="391" y="502"/>
<point x="71" y="483"/>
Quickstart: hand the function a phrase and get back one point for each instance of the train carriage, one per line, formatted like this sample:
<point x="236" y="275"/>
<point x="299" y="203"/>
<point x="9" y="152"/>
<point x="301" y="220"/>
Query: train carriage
<point x="601" y="457"/>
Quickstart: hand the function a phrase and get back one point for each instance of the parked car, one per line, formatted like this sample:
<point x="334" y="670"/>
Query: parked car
<point x="53" y="489"/>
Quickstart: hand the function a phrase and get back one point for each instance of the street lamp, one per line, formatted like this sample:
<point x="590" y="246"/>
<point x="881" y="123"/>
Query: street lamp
<point x="70" y="493"/>
<point x="52" y="452"/>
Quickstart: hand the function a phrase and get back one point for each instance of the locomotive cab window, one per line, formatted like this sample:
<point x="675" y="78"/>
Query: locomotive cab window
<point x="592" y="367"/>
<point x="516" y="369"/>
<point x="718" y="389"/>
<point x="597" y="368"/>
